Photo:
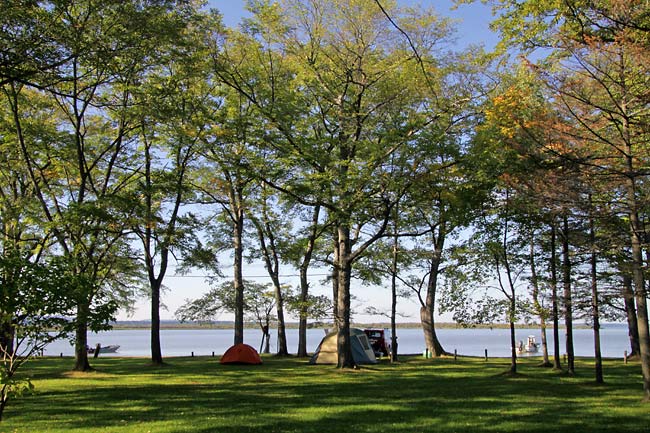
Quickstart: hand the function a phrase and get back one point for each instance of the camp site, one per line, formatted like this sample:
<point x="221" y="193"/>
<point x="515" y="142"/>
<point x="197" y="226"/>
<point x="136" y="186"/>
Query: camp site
<point x="278" y="167"/>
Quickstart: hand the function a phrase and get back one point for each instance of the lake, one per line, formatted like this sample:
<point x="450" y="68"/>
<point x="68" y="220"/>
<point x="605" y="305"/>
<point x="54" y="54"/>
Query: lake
<point x="472" y="342"/>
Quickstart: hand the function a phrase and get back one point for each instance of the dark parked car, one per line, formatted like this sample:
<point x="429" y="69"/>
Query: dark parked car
<point x="378" y="341"/>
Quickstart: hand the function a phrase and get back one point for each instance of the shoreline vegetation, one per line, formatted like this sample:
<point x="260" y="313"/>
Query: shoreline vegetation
<point x="173" y="324"/>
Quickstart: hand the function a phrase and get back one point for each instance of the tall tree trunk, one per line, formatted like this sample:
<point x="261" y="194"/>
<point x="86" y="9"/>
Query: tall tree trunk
<point x="150" y="247"/>
<point x="546" y="361"/>
<point x="640" y="293"/>
<point x="644" y="339"/>
<point x="266" y="236"/>
<point x="238" y="232"/>
<point x="393" y="292"/>
<point x="630" y="313"/>
<point x="541" y="312"/>
<point x="512" y="308"/>
<point x="279" y="307"/>
<point x="428" y="327"/>
<point x="427" y="311"/>
<point x="594" y="301"/>
<point x="513" y="344"/>
<point x="302" y="320"/>
<point x="510" y="290"/>
<point x="266" y="337"/>
<point x="154" y="284"/>
<point x="554" y="300"/>
<point x="344" y="268"/>
<point x="156" y="351"/>
<point x="81" y="339"/>
<point x="304" y="283"/>
<point x="335" y="276"/>
<point x="568" y="302"/>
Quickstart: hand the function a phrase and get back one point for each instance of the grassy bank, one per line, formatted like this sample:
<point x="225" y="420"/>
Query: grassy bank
<point x="287" y="395"/>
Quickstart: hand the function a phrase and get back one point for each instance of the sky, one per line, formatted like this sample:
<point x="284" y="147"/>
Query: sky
<point x="473" y="19"/>
<point x="472" y="28"/>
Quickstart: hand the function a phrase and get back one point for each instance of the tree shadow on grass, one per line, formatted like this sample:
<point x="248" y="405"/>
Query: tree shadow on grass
<point x="200" y="395"/>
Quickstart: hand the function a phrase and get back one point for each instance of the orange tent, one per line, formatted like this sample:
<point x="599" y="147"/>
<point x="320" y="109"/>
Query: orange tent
<point x="241" y="354"/>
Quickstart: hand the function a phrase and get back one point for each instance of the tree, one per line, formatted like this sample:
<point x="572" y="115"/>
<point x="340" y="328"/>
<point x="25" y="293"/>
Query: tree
<point x="541" y="310"/>
<point x="174" y="108"/>
<point x="301" y="253"/>
<point x="594" y="297"/>
<point x="316" y="307"/>
<point x="72" y="222"/>
<point x="30" y="44"/>
<point x="81" y="173"/>
<point x="385" y="261"/>
<point x="36" y="303"/>
<point x="226" y="180"/>
<point x="259" y="302"/>
<point x="443" y="201"/>
<point x="323" y="75"/>
<point x="270" y="233"/>
<point x="501" y="247"/>
<point x="598" y="77"/>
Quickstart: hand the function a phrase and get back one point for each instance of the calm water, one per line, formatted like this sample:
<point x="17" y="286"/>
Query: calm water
<point x="182" y="342"/>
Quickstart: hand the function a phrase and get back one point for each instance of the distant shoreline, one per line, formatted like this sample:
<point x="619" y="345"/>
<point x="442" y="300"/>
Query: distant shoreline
<point x="172" y="324"/>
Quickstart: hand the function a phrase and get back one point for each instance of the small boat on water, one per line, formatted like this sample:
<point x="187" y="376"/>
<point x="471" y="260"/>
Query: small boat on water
<point x="531" y="345"/>
<point x="104" y="349"/>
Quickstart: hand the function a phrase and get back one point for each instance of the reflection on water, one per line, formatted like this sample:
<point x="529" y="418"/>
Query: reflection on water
<point x="474" y="342"/>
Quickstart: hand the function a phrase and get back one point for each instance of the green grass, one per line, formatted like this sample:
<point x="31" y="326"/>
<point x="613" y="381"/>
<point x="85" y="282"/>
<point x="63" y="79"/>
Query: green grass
<point x="288" y="395"/>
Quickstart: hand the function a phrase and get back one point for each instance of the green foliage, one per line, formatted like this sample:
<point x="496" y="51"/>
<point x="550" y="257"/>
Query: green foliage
<point x="10" y="387"/>
<point x="37" y="306"/>
<point x="259" y="300"/>
<point x="316" y="307"/>
<point x="548" y="23"/>
<point x="37" y="298"/>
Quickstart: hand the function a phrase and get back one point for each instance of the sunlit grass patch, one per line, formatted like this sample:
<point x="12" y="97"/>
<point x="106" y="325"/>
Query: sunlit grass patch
<point x="289" y="395"/>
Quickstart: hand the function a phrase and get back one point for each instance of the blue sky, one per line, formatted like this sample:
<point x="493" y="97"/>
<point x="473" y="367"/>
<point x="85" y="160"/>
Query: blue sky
<point x="472" y="28"/>
<point x="473" y="19"/>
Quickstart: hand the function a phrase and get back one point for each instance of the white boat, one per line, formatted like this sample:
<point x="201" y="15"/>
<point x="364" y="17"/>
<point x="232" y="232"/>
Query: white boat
<point x="531" y="345"/>
<point x="104" y="349"/>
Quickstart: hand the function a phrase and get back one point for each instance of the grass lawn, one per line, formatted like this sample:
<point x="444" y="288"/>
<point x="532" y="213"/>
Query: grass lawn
<point x="288" y="395"/>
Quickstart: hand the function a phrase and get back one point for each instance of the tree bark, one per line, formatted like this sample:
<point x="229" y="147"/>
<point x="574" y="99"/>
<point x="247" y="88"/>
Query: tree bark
<point x="266" y="335"/>
<point x="644" y="339"/>
<point x="304" y="284"/>
<point x="640" y="293"/>
<point x="344" y="270"/>
<point x="302" y="324"/>
<point x="428" y="327"/>
<point x="630" y="313"/>
<point x="279" y="306"/>
<point x="568" y="302"/>
<point x="266" y="236"/>
<point x="534" y="280"/>
<point x="554" y="300"/>
<point x="238" y="232"/>
<point x="512" y="308"/>
<point x="513" y="345"/>
<point x="81" y="339"/>
<point x="156" y="351"/>
<point x="336" y="274"/>
<point x="594" y="302"/>
<point x="427" y="311"/>
<point x="393" y="292"/>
